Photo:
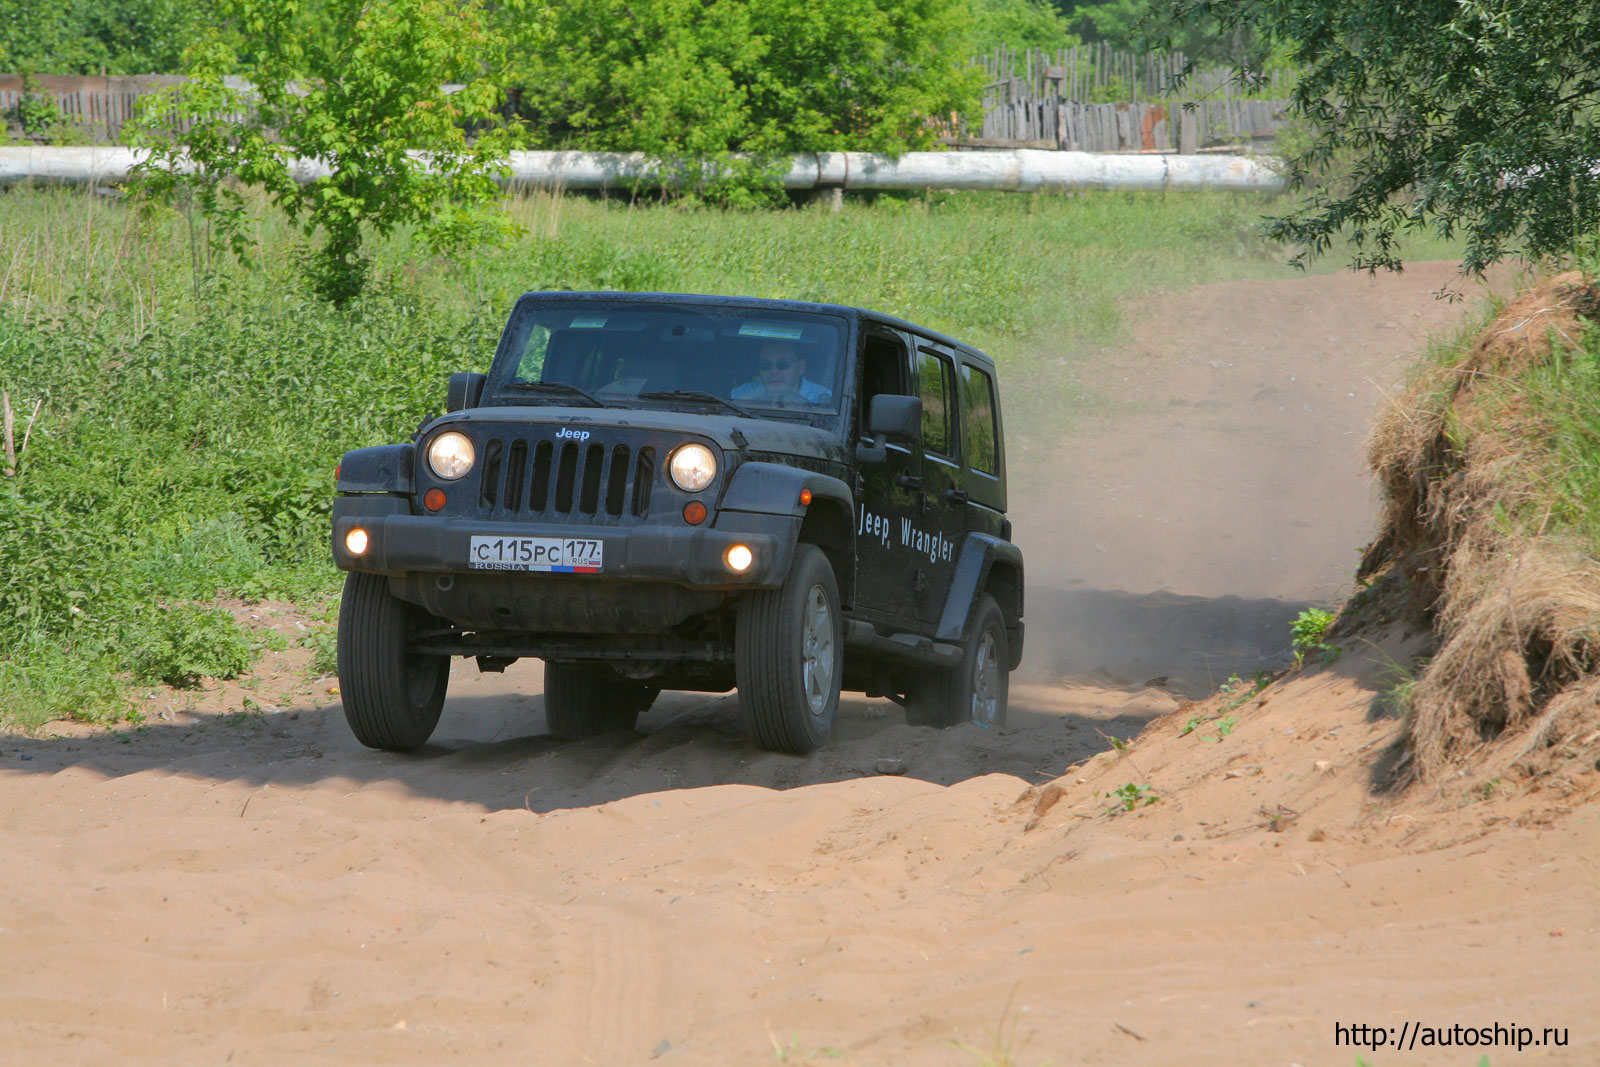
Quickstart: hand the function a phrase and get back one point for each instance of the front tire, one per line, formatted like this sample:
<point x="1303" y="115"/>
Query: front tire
<point x="788" y="656"/>
<point x="975" y="690"/>
<point x="582" y="702"/>
<point x="392" y="698"/>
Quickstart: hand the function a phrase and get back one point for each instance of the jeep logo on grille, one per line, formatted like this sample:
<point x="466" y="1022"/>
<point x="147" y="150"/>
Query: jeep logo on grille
<point x="575" y="435"/>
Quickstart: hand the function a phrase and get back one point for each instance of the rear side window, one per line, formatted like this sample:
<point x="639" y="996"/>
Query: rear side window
<point x="935" y="385"/>
<point x="979" y="421"/>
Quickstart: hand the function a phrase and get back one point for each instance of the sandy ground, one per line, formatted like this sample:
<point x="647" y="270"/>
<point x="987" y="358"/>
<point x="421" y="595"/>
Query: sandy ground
<point x="238" y="881"/>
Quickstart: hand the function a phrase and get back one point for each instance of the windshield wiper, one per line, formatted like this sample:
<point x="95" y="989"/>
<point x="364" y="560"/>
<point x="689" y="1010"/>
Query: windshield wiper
<point x="696" y="396"/>
<point x="561" y="388"/>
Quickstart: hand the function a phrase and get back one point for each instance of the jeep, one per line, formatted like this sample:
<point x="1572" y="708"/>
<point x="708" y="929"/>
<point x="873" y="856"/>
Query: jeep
<point x="656" y="491"/>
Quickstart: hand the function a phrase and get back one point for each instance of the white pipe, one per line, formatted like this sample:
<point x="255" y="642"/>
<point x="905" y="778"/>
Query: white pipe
<point x="1013" y="170"/>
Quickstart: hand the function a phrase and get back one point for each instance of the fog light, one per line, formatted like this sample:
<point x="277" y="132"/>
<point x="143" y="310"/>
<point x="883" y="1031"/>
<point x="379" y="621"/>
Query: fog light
<point x="433" y="499"/>
<point x="356" y="541"/>
<point x="738" y="558"/>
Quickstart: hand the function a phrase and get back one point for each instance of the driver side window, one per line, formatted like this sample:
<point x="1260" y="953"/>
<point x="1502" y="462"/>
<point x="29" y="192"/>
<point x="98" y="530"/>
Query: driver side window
<point x="883" y="371"/>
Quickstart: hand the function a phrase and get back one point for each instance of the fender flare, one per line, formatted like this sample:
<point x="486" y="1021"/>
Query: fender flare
<point x="379" y="469"/>
<point x="774" y="489"/>
<point x="976" y="560"/>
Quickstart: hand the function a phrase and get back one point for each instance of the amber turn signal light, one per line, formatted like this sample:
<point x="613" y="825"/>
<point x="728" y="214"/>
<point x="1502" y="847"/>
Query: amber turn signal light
<point x="433" y="499"/>
<point x="694" y="513"/>
<point x="805" y="498"/>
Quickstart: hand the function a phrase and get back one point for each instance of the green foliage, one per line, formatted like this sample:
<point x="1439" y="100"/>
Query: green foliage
<point x="1019" y="24"/>
<point x="1469" y="117"/>
<point x="366" y="100"/>
<point x="1565" y="397"/>
<point x="88" y="36"/>
<point x="1308" y="633"/>
<point x="179" y="645"/>
<point x="693" y="82"/>
<point x="1130" y="796"/>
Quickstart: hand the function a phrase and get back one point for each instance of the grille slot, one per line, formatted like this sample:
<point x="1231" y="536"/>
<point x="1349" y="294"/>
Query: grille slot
<point x="516" y="462"/>
<point x="594" y="466"/>
<point x="566" y="476"/>
<point x="539" y="493"/>
<point x="644" y="476"/>
<point x="489" y="488"/>
<point x="617" y="486"/>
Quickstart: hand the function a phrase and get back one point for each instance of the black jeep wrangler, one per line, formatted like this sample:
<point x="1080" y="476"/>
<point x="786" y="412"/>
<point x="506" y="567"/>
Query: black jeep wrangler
<point x="655" y="491"/>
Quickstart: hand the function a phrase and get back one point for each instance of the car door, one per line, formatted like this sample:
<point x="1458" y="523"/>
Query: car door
<point x="888" y="492"/>
<point x="932" y="535"/>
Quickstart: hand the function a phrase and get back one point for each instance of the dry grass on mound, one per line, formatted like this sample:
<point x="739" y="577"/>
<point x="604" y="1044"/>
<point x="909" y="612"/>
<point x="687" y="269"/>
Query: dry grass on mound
<point x="1515" y="683"/>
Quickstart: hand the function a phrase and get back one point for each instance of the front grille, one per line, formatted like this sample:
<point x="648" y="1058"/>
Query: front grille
<point x="569" y="481"/>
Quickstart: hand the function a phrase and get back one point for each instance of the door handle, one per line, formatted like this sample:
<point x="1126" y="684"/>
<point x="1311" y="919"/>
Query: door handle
<point x="956" y="496"/>
<point x="909" y="481"/>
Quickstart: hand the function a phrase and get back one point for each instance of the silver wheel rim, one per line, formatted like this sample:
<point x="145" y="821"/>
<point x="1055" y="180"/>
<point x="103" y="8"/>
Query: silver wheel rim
<point x="817" y="650"/>
<point x="986" y="680"/>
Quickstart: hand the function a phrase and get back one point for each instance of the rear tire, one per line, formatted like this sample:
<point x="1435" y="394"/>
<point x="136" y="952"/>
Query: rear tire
<point x="392" y="698"/>
<point x="789" y="656"/>
<point x="584" y="702"/>
<point x="975" y="690"/>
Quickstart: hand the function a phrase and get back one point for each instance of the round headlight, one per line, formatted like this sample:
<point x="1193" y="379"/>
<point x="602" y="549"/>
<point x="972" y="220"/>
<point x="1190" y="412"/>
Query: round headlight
<point x="692" y="468"/>
<point x="450" y="455"/>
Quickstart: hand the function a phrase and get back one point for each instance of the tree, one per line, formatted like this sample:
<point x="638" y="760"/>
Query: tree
<point x="370" y="102"/>
<point x="91" y="36"/>
<point x="695" y="81"/>
<point x="1464" y="117"/>
<point x="1019" y="24"/>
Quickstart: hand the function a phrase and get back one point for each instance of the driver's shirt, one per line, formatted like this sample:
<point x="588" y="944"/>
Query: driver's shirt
<point x="809" y="391"/>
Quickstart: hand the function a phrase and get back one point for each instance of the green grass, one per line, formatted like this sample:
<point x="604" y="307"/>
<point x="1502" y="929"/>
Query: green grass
<point x="1565" y="394"/>
<point x="192" y="412"/>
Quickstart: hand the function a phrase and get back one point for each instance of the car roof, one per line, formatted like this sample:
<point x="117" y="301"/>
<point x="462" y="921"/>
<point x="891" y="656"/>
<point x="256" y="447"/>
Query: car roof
<point x="846" y="310"/>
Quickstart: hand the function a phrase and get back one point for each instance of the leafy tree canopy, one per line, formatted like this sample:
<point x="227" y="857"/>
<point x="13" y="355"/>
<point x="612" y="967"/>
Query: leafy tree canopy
<point x="1466" y="117"/>
<point x="704" y="78"/>
<point x="1019" y="24"/>
<point x="91" y="36"/>
<point x="366" y="101"/>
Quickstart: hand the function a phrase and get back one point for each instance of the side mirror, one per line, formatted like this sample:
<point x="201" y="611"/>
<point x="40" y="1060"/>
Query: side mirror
<point x="466" y="388"/>
<point x="895" y="418"/>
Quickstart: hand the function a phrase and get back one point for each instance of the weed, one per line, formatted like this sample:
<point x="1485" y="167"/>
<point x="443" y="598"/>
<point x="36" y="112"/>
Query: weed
<point x="1308" y="633"/>
<point x="322" y="640"/>
<point x="1002" y="1045"/>
<point x="1190" y="725"/>
<point x="1130" y="796"/>
<point x="182" y="644"/>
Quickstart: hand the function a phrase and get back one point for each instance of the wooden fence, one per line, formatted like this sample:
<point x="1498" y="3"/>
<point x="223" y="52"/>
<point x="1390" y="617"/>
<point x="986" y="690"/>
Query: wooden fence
<point x="1092" y="99"/>
<point x="1088" y="99"/>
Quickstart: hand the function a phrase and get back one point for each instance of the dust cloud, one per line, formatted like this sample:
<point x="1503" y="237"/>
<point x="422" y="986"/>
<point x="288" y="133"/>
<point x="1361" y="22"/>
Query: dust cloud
<point x="1216" y="485"/>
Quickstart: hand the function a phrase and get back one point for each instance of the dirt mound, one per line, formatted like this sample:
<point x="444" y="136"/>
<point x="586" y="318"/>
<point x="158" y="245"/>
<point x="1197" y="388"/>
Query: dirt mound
<point x="1516" y="613"/>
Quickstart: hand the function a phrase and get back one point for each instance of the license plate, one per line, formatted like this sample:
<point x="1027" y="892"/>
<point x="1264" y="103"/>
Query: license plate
<point x="563" y="554"/>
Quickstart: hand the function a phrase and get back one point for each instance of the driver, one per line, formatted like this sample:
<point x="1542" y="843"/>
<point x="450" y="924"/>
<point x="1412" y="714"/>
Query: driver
<point x="780" y="373"/>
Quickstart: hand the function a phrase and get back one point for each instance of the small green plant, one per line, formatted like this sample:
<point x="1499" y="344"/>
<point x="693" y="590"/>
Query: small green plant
<point x="1190" y="725"/>
<point x="179" y="645"/>
<point x="323" y="641"/>
<point x="1130" y="796"/>
<point x="1308" y="633"/>
<point x="1225" y="727"/>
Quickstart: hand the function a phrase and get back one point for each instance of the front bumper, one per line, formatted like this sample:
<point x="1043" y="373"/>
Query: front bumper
<point x="400" y="543"/>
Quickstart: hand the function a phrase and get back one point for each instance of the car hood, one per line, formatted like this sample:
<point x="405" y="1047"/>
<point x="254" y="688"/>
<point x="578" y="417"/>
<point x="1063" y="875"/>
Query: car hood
<point x="731" y="432"/>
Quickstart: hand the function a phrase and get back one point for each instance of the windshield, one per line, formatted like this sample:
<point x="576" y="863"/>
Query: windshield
<point x="730" y="359"/>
